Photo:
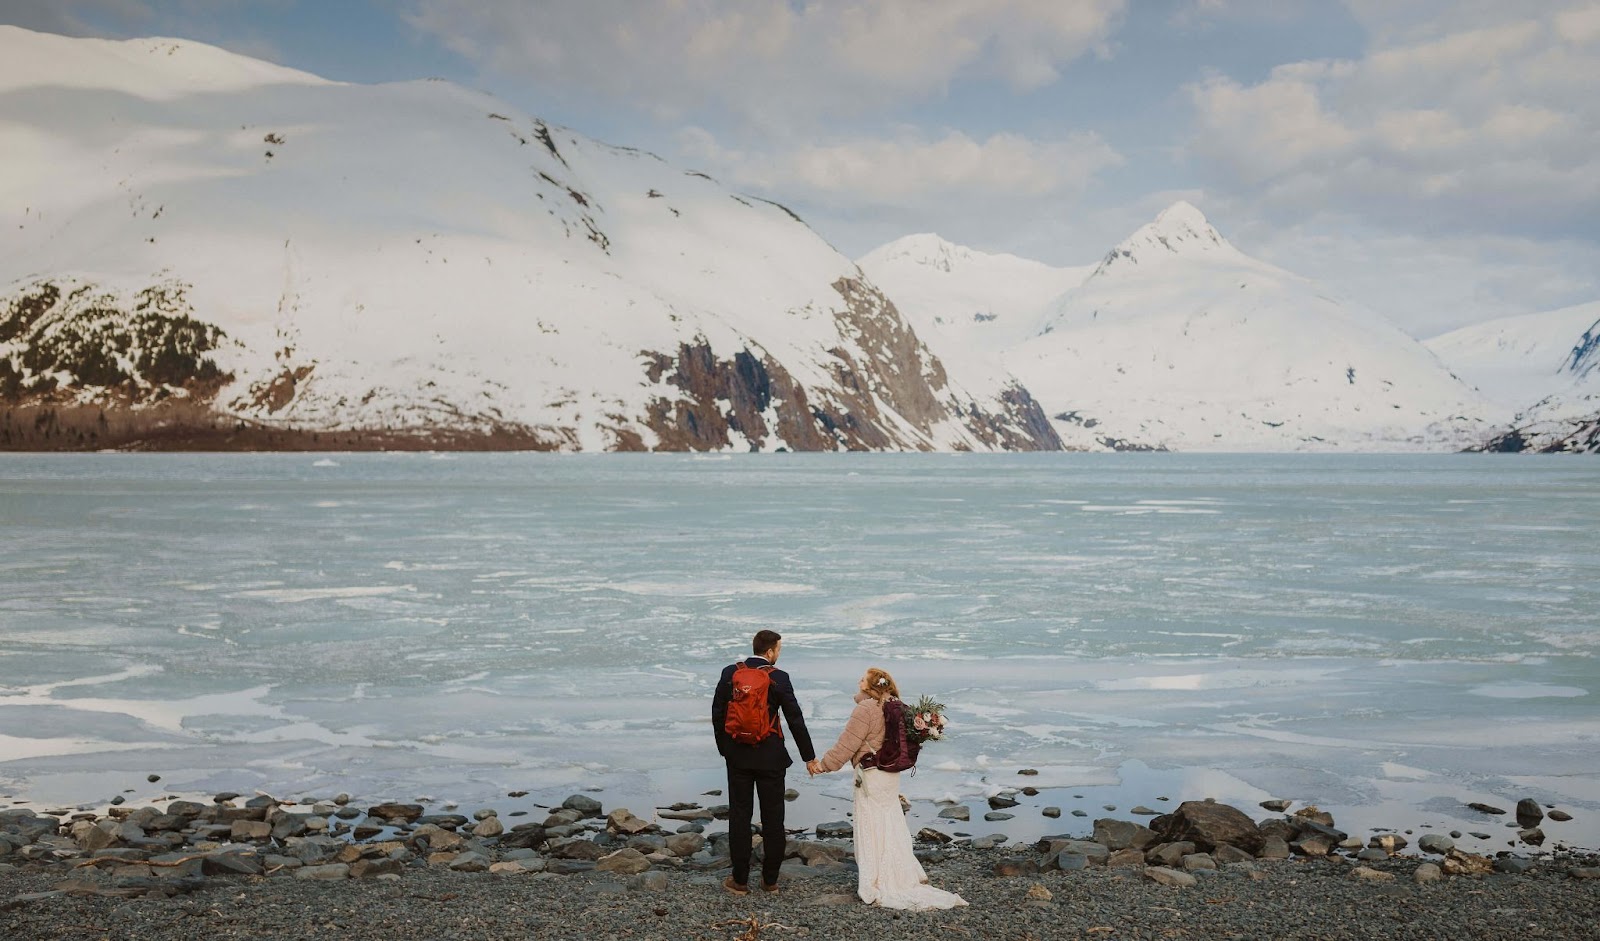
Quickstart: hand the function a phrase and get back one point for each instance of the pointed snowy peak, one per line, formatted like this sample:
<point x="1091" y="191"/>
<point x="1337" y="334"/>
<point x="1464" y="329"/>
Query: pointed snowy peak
<point x="925" y="248"/>
<point x="1180" y="230"/>
<point x="1584" y="359"/>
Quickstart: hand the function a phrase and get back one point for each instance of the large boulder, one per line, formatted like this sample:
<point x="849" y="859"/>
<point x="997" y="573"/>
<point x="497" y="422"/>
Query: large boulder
<point x="1122" y="834"/>
<point x="1207" y="824"/>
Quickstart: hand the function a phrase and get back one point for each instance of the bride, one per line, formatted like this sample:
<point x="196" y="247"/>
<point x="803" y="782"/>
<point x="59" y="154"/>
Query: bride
<point x="889" y="872"/>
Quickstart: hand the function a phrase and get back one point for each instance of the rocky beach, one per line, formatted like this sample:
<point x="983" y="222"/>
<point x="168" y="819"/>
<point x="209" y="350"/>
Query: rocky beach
<point x="261" y="867"/>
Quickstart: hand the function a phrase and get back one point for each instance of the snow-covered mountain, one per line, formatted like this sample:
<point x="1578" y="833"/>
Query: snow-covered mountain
<point x="1178" y="340"/>
<point x="1543" y="370"/>
<point x="202" y="249"/>
<point x="982" y="301"/>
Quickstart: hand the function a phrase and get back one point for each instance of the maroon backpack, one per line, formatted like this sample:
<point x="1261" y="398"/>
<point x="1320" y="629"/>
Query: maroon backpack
<point x="898" y="751"/>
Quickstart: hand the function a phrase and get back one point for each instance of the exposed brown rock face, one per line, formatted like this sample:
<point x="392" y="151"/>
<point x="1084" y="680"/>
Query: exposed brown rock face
<point x="890" y="370"/>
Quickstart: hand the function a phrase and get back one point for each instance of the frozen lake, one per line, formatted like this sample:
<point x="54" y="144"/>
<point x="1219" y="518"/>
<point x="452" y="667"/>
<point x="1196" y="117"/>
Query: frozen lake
<point x="1388" y="637"/>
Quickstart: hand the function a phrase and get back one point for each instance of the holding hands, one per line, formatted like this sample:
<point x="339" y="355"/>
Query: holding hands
<point x="814" y="767"/>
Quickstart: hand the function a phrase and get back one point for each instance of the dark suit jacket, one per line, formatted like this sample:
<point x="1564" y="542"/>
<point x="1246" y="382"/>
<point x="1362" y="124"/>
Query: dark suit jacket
<point x="769" y="754"/>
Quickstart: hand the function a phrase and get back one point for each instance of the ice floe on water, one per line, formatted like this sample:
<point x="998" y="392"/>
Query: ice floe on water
<point x="1222" y="626"/>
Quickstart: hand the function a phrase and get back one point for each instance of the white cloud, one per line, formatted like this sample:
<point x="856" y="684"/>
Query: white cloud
<point x="768" y="60"/>
<point x="912" y="169"/>
<point x="1484" y="122"/>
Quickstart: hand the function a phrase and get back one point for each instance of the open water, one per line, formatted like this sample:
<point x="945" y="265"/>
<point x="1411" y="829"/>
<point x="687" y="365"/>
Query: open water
<point x="1388" y="637"/>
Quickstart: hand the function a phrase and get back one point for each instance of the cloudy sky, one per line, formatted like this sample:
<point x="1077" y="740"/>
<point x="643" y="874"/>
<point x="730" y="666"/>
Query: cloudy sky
<point x="1436" y="159"/>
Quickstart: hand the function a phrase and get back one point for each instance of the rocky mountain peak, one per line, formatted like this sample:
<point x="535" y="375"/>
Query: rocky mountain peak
<point x="1179" y="230"/>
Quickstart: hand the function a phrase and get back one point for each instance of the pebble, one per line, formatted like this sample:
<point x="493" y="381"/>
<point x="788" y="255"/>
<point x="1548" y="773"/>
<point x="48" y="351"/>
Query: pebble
<point x="1051" y="812"/>
<point x="957" y="812"/>
<point x="1428" y="872"/>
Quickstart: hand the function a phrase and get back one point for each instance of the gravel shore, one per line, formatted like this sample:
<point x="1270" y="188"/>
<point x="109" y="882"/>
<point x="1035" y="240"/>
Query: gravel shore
<point x="1302" y="898"/>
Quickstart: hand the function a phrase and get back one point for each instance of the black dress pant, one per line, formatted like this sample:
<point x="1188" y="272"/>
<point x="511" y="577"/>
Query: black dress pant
<point x="768" y="787"/>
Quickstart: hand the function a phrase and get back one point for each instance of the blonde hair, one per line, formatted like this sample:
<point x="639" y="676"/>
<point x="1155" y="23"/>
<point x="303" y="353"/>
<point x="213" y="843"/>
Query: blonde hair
<point x="880" y="685"/>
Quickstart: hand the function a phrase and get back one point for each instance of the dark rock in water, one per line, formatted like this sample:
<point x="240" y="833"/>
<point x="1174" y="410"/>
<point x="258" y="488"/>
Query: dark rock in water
<point x="585" y="805"/>
<point x="394" y="811"/>
<point x="516" y="793"/>
<point x="118" y="800"/>
<point x="1333" y="835"/>
<point x="1051" y="812"/>
<point x="1533" y="836"/>
<point x="1030" y="772"/>
<point x="930" y="835"/>
<point x="1001" y="802"/>
<point x="447" y="821"/>
<point x="1079" y="813"/>
<point x="1486" y="808"/>
<point x="838" y="828"/>
<point x="1208" y="824"/>
<point x="791" y="795"/>
<point x="185" y="809"/>
<point x="1560" y="816"/>
<point x="1143" y="811"/>
<point x="1529" y="813"/>
<point x="153" y="778"/>
<point x="1436" y="843"/>
<point x="719" y="811"/>
<point x="1277" y="806"/>
<point x="225" y="796"/>
<point x="958" y="812"/>
<point x="1313" y="845"/>
<point x="994" y="816"/>
<point x="1030" y="791"/>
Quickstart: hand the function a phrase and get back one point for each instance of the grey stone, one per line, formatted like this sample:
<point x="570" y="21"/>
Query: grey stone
<point x="685" y="844"/>
<point x="470" y="862"/>
<point x="396" y="811"/>
<point x="567" y="867"/>
<point x="585" y="805"/>
<point x="1051" y="812"/>
<point x="1560" y="816"/>
<point x="1197" y="861"/>
<point x="1436" y="843"/>
<point x="994" y="816"/>
<point x="930" y="835"/>
<point x="575" y="849"/>
<point x="1070" y="862"/>
<point x="1129" y="858"/>
<point x="328" y="873"/>
<point x="956" y="812"/>
<point x="1372" y="855"/>
<point x="1080" y="813"/>
<point x="838" y="828"/>
<point x="1364" y="874"/>
<point x="489" y="828"/>
<point x="231" y="864"/>
<point x="1144" y="811"/>
<point x="1169" y="854"/>
<point x="625" y="862"/>
<point x="373" y="868"/>
<point x="1001" y="802"/>
<point x="1529" y="813"/>
<point x="1123" y="834"/>
<point x="1276" y="806"/>
<point x="1428" y="872"/>
<point x="1014" y="866"/>
<point x="653" y="881"/>
<point x="1206" y="823"/>
<point x="1532" y="836"/>
<point x="1170" y="877"/>
<point x="1228" y="855"/>
<point x="1273" y="848"/>
<point x="1513" y="865"/>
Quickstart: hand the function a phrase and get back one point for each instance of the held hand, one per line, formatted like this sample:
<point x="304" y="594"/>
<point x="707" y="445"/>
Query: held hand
<point x="814" y="767"/>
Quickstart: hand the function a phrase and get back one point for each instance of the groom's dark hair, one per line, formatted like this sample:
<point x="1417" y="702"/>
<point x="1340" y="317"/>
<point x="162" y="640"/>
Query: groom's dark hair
<point x="765" y="641"/>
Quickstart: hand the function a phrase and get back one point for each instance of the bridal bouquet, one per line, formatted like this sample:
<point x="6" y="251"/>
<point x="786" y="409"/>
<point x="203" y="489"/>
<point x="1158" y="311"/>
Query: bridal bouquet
<point x="925" y="721"/>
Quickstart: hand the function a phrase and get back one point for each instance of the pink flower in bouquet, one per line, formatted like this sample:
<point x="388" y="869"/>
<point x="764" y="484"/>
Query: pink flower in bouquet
<point x="920" y="724"/>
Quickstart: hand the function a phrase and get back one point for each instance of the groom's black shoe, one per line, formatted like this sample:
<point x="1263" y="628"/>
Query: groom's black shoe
<point x="737" y="888"/>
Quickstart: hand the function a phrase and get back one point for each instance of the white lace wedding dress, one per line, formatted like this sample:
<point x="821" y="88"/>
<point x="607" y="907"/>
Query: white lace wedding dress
<point x="889" y="872"/>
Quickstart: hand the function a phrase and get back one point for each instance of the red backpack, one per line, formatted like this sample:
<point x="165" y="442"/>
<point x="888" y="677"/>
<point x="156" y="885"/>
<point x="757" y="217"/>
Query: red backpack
<point x="899" y="751"/>
<point x="749" y="718"/>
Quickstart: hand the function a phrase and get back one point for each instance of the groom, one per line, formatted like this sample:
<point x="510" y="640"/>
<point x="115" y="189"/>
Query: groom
<point x="752" y="745"/>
